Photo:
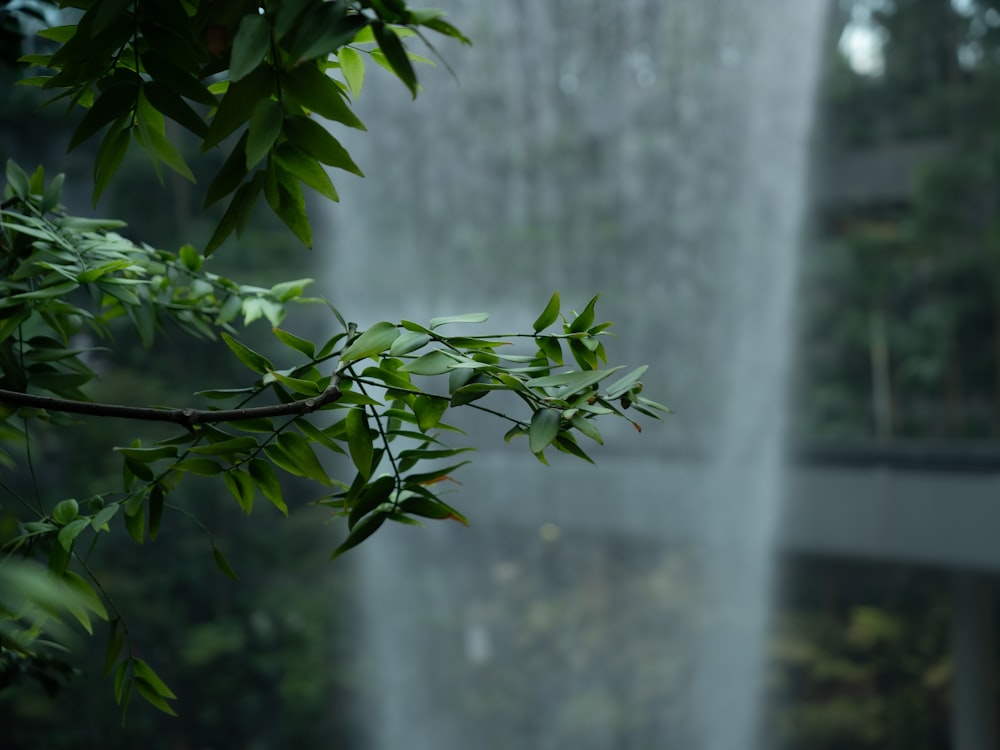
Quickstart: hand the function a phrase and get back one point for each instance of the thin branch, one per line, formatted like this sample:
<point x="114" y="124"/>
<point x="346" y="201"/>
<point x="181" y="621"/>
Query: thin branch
<point x="187" y="417"/>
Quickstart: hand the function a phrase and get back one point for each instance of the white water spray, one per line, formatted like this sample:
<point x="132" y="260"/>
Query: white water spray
<point x="656" y="151"/>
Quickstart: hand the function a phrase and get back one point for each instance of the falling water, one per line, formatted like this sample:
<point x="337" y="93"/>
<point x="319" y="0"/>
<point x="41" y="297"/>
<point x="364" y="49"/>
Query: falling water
<point x="655" y="151"/>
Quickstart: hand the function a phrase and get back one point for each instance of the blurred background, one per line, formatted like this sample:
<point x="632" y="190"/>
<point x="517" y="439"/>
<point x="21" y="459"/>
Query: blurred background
<point x="792" y="212"/>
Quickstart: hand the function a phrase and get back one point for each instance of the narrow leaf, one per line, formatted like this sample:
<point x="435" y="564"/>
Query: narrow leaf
<point x="263" y="131"/>
<point x="250" y="46"/>
<point x="408" y="342"/>
<point x="467" y="318"/>
<point x="549" y="315"/>
<point x="308" y="135"/>
<point x="223" y="564"/>
<point x="267" y="482"/>
<point x="395" y="55"/>
<point x="373" y="341"/>
<point x="359" y="441"/>
<point x="371" y="497"/>
<point x="353" y="68"/>
<point x="368" y="526"/>
<point x="256" y="362"/>
<point x="585" y="319"/>
<point x="544" y="428"/>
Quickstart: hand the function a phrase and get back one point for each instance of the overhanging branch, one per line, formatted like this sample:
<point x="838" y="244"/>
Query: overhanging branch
<point x="187" y="417"/>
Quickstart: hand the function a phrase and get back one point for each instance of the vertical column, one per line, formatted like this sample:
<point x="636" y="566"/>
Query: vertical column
<point x="973" y="632"/>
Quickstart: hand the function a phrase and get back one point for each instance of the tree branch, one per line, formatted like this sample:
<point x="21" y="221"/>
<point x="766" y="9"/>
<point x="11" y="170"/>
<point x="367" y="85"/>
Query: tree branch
<point x="187" y="417"/>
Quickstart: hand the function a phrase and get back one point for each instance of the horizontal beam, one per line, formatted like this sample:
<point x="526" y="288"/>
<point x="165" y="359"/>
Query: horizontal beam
<point x="948" y="519"/>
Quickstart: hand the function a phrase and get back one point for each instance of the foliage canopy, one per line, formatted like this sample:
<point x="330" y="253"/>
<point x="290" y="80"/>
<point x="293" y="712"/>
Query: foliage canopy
<point x="254" y="79"/>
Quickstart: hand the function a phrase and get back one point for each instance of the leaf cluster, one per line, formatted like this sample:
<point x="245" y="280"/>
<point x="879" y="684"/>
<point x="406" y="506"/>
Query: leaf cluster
<point x="135" y="64"/>
<point x="256" y="79"/>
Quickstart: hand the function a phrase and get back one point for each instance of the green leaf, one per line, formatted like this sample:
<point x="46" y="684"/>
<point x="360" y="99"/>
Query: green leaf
<point x="653" y="405"/>
<point x="205" y="467"/>
<point x="467" y="318"/>
<point x="190" y="257"/>
<point x="371" y="497"/>
<point x="116" y="638"/>
<point x="427" y="507"/>
<point x="574" y="382"/>
<point x="114" y="102"/>
<point x="586" y="427"/>
<point x="316" y="91"/>
<point x="17" y="178"/>
<point x="85" y="594"/>
<point x="359" y="441"/>
<point x="61" y="34"/>
<point x="287" y="15"/>
<point x="110" y="155"/>
<point x="324" y="28"/>
<point x="433" y="476"/>
<point x="624" y="384"/>
<point x="135" y="523"/>
<point x="294" y="342"/>
<point x="284" y="195"/>
<point x="256" y="362"/>
<point x="100" y="520"/>
<point x="237" y="213"/>
<point x="53" y="193"/>
<point x="148" y="455"/>
<point x="223" y="564"/>
<point x="144" y="672"/>
<point x="299" y="386"/>
<point x="164" y="99"/>
<point x="121" y="696"/>
<point x="432" y="363"/>
<point x="231" y="174"/>
<point x="267" y="482"/>
<point x="353" y="68"/>
<point x="373" y="341"/>
<point x="250" y="46"/>
<point x="567" y="444"/>
<point x="584" y="356"/>
<point x="466" y="394"/>
<point x="150" y="696"/>
<point x="391" y="378"/>
<point x="443" y="27"/>
<point x="311" y="137"/>
<point x="429" y="411"/>
<point x="156" y="505"/>
<point x="238" y="104"/>
<point x="551" y="348"/>
<point x="549" y="315"/>
<point x="544" y="428"/>
<point x="160" y="147"/>
<point x="176" y="79"/>
<point x="298" y="449"/>
<point x="263" y="131"/>
<point x="408" y="342"/>
<point x="71" y="531"/>
<point x="368" y="526"/>
<point x="241" y="487"/>
<point x="585" y="319"/>
<point x="395" y="55"/>
<point x="36" y="183"/>
<point x="306" y="168"/>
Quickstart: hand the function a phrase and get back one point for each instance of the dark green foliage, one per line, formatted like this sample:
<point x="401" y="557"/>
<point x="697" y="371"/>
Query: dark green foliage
<point x="381" y="396"/>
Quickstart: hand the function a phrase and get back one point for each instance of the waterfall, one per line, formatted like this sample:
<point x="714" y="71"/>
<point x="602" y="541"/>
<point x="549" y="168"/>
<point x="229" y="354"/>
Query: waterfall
<point x="655" y="151"/>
